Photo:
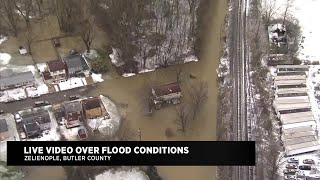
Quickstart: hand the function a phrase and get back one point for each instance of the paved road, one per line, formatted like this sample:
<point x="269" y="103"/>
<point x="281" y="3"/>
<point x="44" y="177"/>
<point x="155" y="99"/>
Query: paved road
<point x="52" y="98"/>
<point x="239" y="71"/>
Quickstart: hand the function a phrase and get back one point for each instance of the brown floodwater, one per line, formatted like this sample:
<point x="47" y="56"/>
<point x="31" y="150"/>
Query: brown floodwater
<point x="127" y="91"/>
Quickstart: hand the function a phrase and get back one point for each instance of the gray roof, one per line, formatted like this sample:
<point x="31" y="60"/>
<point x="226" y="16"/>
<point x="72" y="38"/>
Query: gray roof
<point x="76" y="63"/>
<point x="41" y="117"/>
<point x="73" y="106"/>
<point x="16" y="78"/>
<point x="3" y="125"/>
<point x="32" y="128"/>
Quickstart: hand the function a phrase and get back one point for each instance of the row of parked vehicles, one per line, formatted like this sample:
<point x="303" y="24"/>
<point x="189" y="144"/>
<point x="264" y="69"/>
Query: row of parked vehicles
<point x="294" y="171"/>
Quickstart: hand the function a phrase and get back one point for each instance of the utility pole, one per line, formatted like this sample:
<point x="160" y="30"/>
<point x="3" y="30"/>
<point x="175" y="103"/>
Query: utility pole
<point x="139" y="130"/>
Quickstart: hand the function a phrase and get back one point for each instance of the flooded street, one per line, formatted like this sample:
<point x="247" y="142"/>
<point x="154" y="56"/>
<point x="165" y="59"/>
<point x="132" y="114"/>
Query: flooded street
<point x="126" y="91"/>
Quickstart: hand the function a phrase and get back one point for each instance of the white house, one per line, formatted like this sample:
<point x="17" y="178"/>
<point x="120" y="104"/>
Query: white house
<point x="169" y="93"/>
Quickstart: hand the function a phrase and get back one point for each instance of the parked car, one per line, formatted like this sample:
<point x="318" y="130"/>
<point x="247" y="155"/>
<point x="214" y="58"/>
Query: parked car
<point x="301" y="177"/>
<point x="305" y="167"/>
<point x="291" y="166"/>
<point x="293" y="160"/>
<point x="35" y="95"/>
<point x="82" y="134"/>
<point x="290" y="177"/>
<point x="1" y="111"/>
<point x="17" y="117"/>
<point x="289" y="171"/>
<point x="308" y="161"/>
<point x="41" y="103"/>
<point x="56" y="42"/>
<point x="74" y="97"/>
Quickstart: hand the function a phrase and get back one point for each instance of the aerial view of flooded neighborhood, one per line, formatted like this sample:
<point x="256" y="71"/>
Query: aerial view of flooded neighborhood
<point x="163" y="70"/>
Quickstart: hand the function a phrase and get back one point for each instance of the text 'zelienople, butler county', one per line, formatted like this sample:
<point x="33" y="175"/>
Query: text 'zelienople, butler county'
<point x="81" y="153"/>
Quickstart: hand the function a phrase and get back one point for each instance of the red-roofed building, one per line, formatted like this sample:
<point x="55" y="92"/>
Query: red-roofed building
<point x="169" y="93"/>
<point x="57" y="70"/>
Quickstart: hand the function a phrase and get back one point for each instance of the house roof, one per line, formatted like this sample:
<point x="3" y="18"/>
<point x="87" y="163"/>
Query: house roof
<point x="73" y="106"/>
<point x="31" y="127"/>
<point x="91" y="103"/>
<point x="167" y="89"/>
<point x="46" y="75"/>
<point x="56" y="65"/>
<point x="16" y="78"/>
<point x="41" y="117"/>
<point x="3" y="125"/>
<point x="76" y="62"/>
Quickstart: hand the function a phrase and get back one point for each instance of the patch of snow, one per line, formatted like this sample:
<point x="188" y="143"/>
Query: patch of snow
<point x="128" y="74"/>
<point x="146" y="70"/>
<point x="97" y="77"/>
<point x="190" y="59"/>
<point x="3" y="150"/>
<point x="72" y="133"/>
<point x="103" y="124"/>
<point x="42" y="67"/>
<point x="70" y="84"/>
<point x="91" y="55"/>
<point x="40" y="90"/>
<point x="133" y="174"/>
<point x="3" y="39"/>
<point x="4" y="58"/>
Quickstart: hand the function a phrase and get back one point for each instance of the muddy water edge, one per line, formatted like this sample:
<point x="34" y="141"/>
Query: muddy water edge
<point x="125" y="91"/>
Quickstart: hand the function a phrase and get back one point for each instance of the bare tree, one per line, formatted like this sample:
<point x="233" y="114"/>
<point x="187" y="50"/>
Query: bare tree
<point x="8" y="15"/>
<point x="39" y="4"/>
<point x="24" y="8"/>
<point x="183" y="118"/>
<point x="29" y="39"/>
<point x="269" y="10"/>
<point x="199" y="95"/>
<point x="289" y="5"/>
<point x="178" y="73"/>
<point x="87" y="33"/>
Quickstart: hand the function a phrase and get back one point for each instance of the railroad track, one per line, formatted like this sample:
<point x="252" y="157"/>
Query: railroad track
<point x="241" y="88"/>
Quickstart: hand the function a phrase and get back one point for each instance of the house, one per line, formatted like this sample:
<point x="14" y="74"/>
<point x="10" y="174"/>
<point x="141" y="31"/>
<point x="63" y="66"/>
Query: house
<point x="169" y="93"/>
<point x="10" y="80"/>
<point x="4" y="130"/>
<point x="73" y="113"/>
<point x="76" y="65"/>
<point x="92" y="107"/>
<point x="42" y="118"/>
<point x="277" y="34"/>
<point x="57" y="70"/>
<point x="32" y="129"/>
<point x="47" y="78"/>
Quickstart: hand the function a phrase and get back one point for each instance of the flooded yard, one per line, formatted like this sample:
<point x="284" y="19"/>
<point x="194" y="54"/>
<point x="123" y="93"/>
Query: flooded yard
<point x="127" y="90"/>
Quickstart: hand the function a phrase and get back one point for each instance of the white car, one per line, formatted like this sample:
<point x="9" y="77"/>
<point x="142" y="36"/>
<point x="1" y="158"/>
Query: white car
<point x="17" y="117"/>
<point x="290" y="177"/>
<point x="35" y="95"/>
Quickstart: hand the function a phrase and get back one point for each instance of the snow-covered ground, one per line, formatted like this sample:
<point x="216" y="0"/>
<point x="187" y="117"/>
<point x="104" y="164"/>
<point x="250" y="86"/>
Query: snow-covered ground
<point x="305" y="11"/>
<point x="70" y="84"/>
<point x="108" y="126"/>
<point x="40" y="90"/>
<point x="133" y="174"/>
<point x="128" y="74"/>
<point x="12" y="132"/>
<point x="72" y="133"/>
<point x="97" y="77"/>
<point x="13" y="94"/>
<point x="4" y="58"/>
